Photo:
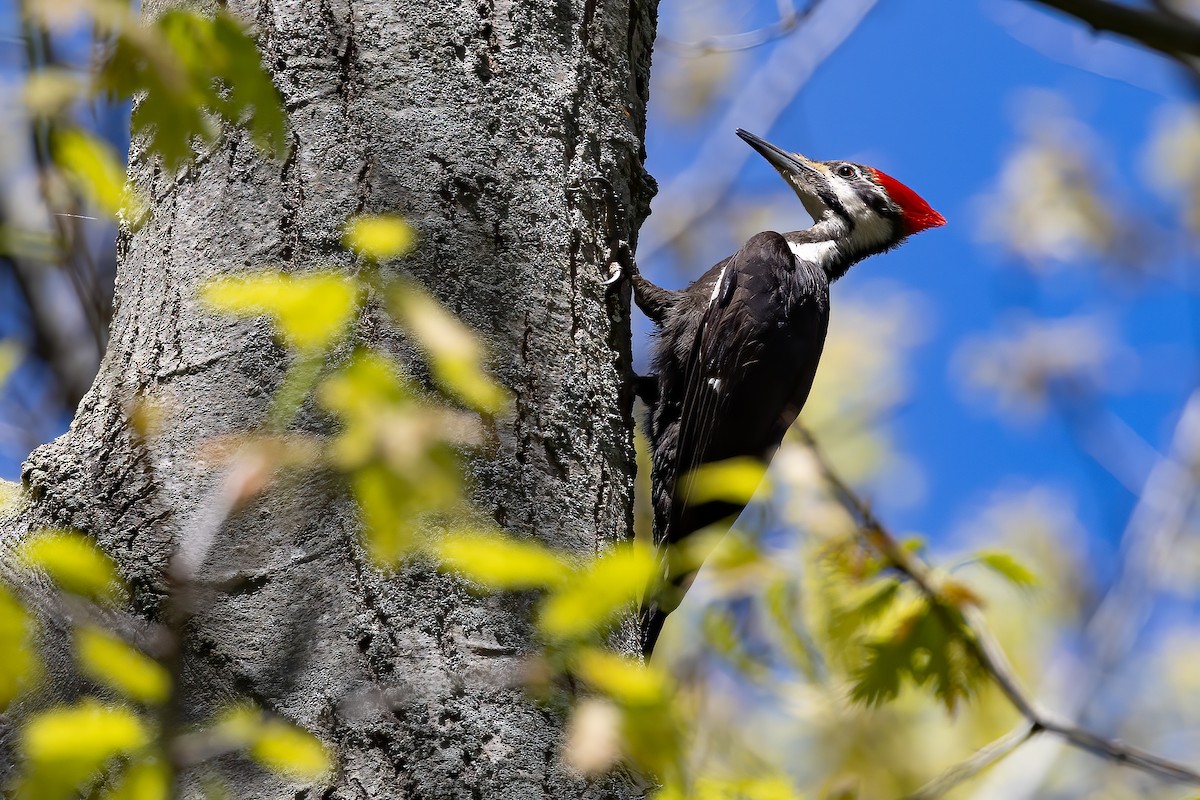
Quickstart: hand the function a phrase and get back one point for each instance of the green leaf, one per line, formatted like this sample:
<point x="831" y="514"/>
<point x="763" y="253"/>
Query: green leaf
<point x="66" y="748"/>
<point x="592" y="599"/>
<point x="626" y="681"/>
<point x="52" y="90"/>
<point x="10" y="358"/>
<point x="110" y="661"/>
<point x="501" y="562"/>
<point x="191" y="73"/>
<point x="734" y="481"/>
<point x="379" y="238"/>
<point x="310" y="311"/>
<point x="18" y="667"/>
<point x="75" y="563"/>
<point x="456" y="356"/>
<point x="920" y="648"/>
<point x="97" y="173"/>
<point x="1007" y="566"/>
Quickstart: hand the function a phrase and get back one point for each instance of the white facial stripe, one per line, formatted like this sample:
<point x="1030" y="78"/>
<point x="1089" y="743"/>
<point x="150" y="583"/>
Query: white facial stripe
<point x="871" y="229"/>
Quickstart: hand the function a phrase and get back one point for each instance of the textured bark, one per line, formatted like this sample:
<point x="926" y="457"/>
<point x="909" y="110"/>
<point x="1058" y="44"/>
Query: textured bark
<point x="481" y="122"/>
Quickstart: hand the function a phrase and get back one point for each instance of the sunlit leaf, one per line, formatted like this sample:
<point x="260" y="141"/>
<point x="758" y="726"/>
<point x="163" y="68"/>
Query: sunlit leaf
<point x="593" y="736"/>
<point x="501" y="562"/>
<point x="626" y="681"/>
<point x="66" y="747"/>
<point x="143" y="779"/>
<point x="75" y="563"/>
<point x="927" y="645"/>
<point x="311" y="311"/>
<point x="191" y="73"/>
<point x="455" y="354"/>
<point x="18" y="666"/>
<point x="274" y="742"/>
<point x="108" y="660"/>
<point x="379" y="237"/>
<point x="613" y="582"/>
<point x="52" y="90"/>
<point x="97" y="172"/>
<point x="387" y="517"/>
<point x="1007" y="566"/>
<point x="732" y="481"/>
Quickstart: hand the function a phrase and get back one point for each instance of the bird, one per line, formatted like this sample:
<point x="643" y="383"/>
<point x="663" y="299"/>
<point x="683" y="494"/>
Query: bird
<point x="736" y="352"/>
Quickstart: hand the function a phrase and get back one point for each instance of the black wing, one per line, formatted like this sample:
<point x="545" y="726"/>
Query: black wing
<point x="746" y="375"/>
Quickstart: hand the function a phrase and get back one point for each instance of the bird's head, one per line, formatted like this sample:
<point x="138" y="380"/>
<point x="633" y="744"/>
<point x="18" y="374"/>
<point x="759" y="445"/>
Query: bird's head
<point x="858" y="205"/>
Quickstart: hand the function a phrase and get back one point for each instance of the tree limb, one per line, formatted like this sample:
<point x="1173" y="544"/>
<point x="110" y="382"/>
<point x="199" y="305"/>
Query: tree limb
<point x="1168" y="34"/>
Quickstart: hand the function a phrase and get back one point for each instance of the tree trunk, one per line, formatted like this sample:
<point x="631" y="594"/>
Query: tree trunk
<point x="484" y="123"/>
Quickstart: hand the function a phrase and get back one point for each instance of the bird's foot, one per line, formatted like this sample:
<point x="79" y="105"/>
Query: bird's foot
<point x="615" y="273"/>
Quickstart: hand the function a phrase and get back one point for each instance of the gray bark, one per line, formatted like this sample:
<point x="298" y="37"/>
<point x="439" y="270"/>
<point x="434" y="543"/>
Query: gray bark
<point x="480" y="121"/>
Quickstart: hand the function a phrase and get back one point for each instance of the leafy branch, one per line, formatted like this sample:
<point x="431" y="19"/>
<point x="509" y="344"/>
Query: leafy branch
<point x="963" y="619"/>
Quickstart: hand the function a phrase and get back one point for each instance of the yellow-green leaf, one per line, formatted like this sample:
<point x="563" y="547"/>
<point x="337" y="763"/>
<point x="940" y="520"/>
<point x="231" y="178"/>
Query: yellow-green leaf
<point x="10" y="358"/>
<point x="734" y="480"/>
<point x="1008" y="567"/>
<point x="52" y="90"/>
<point x="310" y="311"/>
<point x="613" y="582"/>
<point x="78" y="740"/>
<point x="501" y="562"/>
<point x="97" y="172"/>
<point x="75" y="563"/>
<point x="289" y="750"/>
<point x="379" y="237"/>
<point x="18" y="666"/>
<point x="143" y="779"/>
<point x="627" y="681"/>
<point x="455" y="353"/>
<point x="273" y="742"/>
<point x="108" y="660"/>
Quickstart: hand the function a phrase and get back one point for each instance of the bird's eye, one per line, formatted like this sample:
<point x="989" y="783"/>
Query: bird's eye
<point x="846" y="171"/>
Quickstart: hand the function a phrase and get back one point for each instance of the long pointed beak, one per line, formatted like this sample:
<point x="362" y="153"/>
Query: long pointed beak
<point x="787" y="163"/>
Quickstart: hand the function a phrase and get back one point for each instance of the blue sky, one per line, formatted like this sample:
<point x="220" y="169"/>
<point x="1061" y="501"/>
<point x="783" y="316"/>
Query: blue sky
<point x="927" y="90"/>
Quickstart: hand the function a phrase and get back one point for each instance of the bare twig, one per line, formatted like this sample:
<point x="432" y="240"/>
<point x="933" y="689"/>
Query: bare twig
<point x="789" y="20"/>
<point x="1170" y="34"/>
<point x="968" y="624"/>
<point x="981" y="760"/>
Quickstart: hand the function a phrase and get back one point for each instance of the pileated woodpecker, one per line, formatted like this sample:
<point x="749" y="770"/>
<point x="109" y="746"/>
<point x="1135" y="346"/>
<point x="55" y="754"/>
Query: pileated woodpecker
<point x="737" y="350"/>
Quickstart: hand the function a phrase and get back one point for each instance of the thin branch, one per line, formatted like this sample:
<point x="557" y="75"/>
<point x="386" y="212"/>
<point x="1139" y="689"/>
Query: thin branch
<point x="968" y="623"/>
<point x="977" y="763"/>
<point x="789" y="20"/>
<point x="1169" y="34"/>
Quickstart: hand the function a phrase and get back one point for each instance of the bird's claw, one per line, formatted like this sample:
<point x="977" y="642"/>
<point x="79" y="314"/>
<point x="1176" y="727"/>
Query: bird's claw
<point x="616" y="272"/>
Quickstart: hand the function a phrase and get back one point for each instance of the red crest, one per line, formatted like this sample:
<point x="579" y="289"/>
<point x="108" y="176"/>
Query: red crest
<point x="917" y="214"/>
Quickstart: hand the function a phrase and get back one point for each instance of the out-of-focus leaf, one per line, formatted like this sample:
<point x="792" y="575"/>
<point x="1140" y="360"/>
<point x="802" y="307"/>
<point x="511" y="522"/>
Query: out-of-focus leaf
<point x="919" y="647"/>
<point x="501" y="562"/>
<point x="1008" y="567"/>
<point x="381" y="237"/>
<point x="593" y="739"/>
<point x="455" y="354"/>
<point x="75" y="563"/>
<point x="613" y="582"/>
<point x="382" y="496"/>
<point x="626" y="681"/>
<point x="143" y="779"/>
<point x="65" y="748"/>
<point x="52" y="90"/>
<point x="96" y="171"/>
<point x="311" y="311"/>
<point x="10" y="358"/>
<point x="108" y="660"/>
<point x="275" y="743"/>
<point x="734" y="480"/>
<point x="190" y="73"/>
<point x="18" y="666"/>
